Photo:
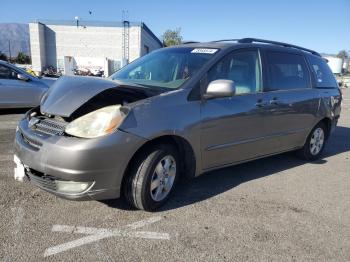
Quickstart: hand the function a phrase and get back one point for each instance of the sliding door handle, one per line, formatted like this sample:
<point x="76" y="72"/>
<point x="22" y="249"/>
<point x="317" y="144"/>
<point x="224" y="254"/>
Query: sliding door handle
<point x="260" y="103"/>
<point x="274" y="101"/>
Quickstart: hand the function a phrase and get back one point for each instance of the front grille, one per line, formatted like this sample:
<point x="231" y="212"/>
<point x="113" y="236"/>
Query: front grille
<point x="42" y="180"/>
<point x="50" y="126"/>
<point x="42" y="127"/>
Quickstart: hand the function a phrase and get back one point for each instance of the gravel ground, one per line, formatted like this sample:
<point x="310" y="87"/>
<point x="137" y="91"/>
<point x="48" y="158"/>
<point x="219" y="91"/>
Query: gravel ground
<point x="279" y="208"/>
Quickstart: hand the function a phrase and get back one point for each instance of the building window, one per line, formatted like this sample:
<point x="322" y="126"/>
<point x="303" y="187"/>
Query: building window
<point x="146" y="49"/>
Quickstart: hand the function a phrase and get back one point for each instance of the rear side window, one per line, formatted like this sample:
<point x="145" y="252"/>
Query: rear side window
<point x="287" y="71"/>
<point x="324" y="77"/>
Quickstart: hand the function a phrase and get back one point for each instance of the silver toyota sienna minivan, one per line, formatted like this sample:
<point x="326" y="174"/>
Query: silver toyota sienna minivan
<point x="178" y="111"/>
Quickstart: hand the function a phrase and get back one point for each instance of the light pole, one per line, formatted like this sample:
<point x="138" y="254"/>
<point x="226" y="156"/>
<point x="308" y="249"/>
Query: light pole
<point x="77" y="20"/>
<point x="10" y="49"/>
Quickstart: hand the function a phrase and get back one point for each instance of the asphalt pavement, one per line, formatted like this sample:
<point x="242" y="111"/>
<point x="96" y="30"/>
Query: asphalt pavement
<point x="274" y="209"/>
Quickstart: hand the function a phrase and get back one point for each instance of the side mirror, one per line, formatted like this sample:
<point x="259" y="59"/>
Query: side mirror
<point x="22" y="77"/>
<point x="220" y="88"/>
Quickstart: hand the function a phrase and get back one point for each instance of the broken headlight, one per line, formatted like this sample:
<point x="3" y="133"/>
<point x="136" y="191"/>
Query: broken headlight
<point x="97" y="123"/>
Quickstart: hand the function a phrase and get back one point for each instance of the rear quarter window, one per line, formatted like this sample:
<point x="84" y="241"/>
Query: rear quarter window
<point x="323" y="75"/>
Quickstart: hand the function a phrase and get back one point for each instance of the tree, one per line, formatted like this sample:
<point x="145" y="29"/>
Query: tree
<point x="172" y="37"/>
<point x="3" y="56"/>
<point x="343" y="54"/>
<point x="23" y="58"/>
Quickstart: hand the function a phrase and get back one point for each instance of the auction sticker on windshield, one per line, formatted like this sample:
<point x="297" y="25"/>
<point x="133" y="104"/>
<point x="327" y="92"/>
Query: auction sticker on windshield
<point x="204" y="51"/>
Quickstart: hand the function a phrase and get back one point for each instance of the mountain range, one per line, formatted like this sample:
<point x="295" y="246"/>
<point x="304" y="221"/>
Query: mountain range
<point x="17" y="36"/>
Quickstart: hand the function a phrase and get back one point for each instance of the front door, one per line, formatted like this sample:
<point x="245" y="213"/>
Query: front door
<point x="232" y="128"/>
<point x="15" y="92"/>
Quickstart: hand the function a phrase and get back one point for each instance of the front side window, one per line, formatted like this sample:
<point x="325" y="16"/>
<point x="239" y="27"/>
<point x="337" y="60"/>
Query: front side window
<point x="287" y="71"/>
<point x="7" y="73"/>
<point x="243" y="68"/>
<point x="322" y="73"/>
<point x="168" y="68"/>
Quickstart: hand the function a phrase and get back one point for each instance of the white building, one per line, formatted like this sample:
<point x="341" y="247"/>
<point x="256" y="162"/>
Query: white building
<point x="67" y="45"/>
<point x="335" y="64"/>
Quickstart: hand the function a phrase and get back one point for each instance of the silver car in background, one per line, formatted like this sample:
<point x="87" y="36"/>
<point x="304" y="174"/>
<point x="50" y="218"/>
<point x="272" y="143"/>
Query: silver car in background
<point x="183" y="110"/>
<point x="19" y="89"/>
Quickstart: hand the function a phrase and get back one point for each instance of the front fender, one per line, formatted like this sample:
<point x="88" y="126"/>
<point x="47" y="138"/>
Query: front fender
<point x="169" y="114"/>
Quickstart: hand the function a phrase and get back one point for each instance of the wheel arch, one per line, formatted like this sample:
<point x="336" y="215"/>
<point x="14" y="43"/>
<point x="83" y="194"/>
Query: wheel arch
<point x="328" y="123"/>
<point x="185" y="150"/>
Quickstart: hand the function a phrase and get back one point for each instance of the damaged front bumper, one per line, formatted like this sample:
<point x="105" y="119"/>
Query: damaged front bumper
<point x="75" y="168"/>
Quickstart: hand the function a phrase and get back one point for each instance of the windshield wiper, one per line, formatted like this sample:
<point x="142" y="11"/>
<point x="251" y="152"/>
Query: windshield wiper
<point x="162" y="88"/>
<point x="140" y="89"/>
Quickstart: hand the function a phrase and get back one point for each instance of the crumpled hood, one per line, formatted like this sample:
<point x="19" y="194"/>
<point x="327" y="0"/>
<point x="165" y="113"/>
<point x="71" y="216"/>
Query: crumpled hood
<point x="68" y="93"/>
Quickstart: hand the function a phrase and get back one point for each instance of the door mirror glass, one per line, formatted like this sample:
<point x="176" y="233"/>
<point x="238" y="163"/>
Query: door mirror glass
<point x="22" y="77"/>
<point x="220" y="88"/>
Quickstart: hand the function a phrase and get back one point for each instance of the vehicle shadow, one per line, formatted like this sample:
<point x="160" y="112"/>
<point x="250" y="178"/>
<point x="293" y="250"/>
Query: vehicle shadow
<point x="216" y="182"/>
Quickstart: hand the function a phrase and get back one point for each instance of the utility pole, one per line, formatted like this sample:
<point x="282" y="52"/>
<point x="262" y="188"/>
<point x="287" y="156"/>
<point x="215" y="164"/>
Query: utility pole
<point x="10" y="49"/>
<point x="125" y="42"/>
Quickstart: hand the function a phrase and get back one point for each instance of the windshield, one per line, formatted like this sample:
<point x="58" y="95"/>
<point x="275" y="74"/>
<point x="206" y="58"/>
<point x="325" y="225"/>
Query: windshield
<point x="167" y="68"/>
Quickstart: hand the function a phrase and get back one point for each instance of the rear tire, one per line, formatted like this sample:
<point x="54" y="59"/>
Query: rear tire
<point x="152" y="177"/>
<point x="315" y="143"/>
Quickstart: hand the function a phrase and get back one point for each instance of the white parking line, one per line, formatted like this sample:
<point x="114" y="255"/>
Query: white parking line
<point x="76" y="243"/>
<point x="19" y="215"/>
<point x="96" y="234"/>
<point x="143" y="223"/>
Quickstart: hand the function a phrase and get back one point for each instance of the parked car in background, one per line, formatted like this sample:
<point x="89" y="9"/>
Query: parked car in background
<point x="51" y="71"/>
<point x="30" y="71"/>
<point x="97" y="72"/>
<point x="182" y="110"/>
<point x="82" y="71"/>
<point x="26" y="68"/>
<point x="19" y="89"/>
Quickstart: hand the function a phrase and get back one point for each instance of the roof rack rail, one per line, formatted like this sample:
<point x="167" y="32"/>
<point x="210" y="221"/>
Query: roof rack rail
<point x="190" y="42"/>
<point x="226" y="40"/>
<point x="251" y="40"/>
<point x="256" y="40"/>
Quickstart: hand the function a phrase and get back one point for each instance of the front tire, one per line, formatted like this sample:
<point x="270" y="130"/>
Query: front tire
<point x="152" y="177"/>
<point x="315" y="143"/>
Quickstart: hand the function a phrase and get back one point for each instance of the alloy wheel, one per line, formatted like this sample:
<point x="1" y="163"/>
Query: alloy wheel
<point x="316" y="141"/>
<point x="163" y="178"/>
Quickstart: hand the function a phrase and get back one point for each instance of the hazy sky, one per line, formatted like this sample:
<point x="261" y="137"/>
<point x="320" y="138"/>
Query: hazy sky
<point x="322" y="25"/>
